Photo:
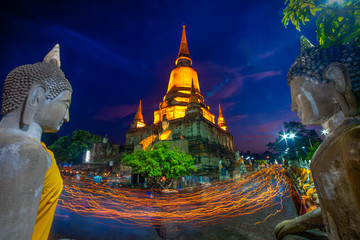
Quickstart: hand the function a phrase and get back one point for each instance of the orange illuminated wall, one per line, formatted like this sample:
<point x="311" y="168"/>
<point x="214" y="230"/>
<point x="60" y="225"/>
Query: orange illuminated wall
<point x="207" y="115"/>
<point x="176" y="112"/>
<point x="173" y="112"/>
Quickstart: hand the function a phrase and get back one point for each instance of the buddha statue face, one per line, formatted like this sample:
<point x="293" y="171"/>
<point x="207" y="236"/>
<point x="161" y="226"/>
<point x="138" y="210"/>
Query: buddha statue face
<point x="54" y="112"/>
<point x="312" y="101"/>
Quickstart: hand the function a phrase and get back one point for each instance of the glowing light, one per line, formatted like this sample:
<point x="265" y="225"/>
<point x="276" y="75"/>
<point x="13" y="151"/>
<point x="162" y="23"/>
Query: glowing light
<point x="224" y="128"/>
<point x="87" y="156"/>
<point x="140" y="125"/>
<point x="288" y="135"/>
<point x="324" y="132"/>
<point x="184" y="91"/>
<point x="263" y="189"/>
<point x="181" y="99"/>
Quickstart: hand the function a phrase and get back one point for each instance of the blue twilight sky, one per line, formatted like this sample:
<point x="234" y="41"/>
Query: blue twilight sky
<point x="117" y="52"/>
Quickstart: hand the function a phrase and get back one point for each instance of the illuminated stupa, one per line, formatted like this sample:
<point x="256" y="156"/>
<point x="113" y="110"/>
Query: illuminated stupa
<point x="184" y="119"/>
<point x="182" y="78"/>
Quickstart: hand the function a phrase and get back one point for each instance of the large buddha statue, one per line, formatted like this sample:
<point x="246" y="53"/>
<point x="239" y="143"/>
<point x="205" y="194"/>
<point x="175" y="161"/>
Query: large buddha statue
<point x="36" y="99"/>
<point x="325" y="90"/>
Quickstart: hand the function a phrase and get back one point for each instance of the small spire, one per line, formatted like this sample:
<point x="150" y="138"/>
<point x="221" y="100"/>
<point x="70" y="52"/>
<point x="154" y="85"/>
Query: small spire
<point x="138" y="115"/>
<point x="220" y="112"/>
<point x="193" y="97"/>
<point x="184" y="50"/>
<point x="221" y="120"/>
<point x="139" y="119"/>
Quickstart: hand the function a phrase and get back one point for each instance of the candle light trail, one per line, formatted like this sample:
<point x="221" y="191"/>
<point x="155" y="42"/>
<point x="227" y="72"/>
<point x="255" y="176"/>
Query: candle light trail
<point x="134" y="208"/>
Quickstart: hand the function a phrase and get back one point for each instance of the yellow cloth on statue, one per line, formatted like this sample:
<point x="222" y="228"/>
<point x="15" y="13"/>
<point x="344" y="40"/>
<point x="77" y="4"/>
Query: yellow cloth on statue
<point x="52" y="188"/>
<point x="310" y="192"/>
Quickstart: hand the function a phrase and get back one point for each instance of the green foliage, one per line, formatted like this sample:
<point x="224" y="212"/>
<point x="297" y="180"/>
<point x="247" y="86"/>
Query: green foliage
<point x="160" y="161"/>
<point x="298" y="146"/>
<point x="312" y="151"/>
<point x="260" y="162"/>
<point x="61" y="149"/>
<point x="71" y="149"/>
<point x="336" y="24"/>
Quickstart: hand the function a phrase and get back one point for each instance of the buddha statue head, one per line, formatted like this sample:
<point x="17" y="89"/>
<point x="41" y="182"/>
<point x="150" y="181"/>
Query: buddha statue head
<point x="38" y="93"/>
<point x="325" y="82"/>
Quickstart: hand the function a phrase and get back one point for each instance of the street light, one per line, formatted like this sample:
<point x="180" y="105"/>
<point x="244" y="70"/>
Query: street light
<point x="288" y="135"/>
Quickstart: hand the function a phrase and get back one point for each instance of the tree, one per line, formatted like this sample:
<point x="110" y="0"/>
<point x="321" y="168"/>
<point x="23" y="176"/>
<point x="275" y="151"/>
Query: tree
<point x="71" y="149"/>
<point x="336" y="23"/>
<point x="294" y="147"/>
<point x="160" y="163"/>
<point x="60" y="149"/>
<point x="312" y="151"/>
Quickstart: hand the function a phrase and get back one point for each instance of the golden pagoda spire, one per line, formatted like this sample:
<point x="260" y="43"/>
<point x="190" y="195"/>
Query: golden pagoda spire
<point x="184" y="54"/>
<point x="139" y="119"/>
<point x="183" y="50"/>
<point x="221" y="120"/>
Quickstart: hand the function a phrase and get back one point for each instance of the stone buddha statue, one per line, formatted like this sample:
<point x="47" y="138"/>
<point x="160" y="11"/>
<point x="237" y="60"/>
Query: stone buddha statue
<point x="325" y="90"/>
<point x="165" y="133"/>
<point x="36" y="99"/>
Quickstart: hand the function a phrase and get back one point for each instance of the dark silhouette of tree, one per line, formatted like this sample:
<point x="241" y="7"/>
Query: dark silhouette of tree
<point x="70" y="149"/>
<point x="295" y="147"/>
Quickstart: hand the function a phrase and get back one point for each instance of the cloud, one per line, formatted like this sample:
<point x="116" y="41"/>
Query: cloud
<point x="262" y="75"/>
<point x="267" y="127"/>
<point x="223" y="82"/>
<point x="226" y="82"/>
<point x="116" y="112"/>
<point x="236" y="118"/>
<point x="268" y="53"/>
<point x="254" y="136"/>
<point x="226" y="106"/>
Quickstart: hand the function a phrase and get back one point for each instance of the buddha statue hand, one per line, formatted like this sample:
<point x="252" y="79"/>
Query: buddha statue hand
<point x="309" y="220"/>
<point x="288" y="227"/>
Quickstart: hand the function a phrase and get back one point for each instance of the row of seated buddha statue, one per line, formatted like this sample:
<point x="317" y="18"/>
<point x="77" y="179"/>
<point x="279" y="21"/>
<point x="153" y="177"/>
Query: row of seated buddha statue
<point x="305" y="188"/>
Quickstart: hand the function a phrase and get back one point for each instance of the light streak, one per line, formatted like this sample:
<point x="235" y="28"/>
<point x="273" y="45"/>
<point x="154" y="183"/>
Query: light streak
<point x="133" y="207"/>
